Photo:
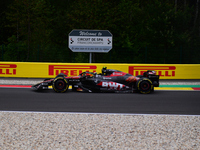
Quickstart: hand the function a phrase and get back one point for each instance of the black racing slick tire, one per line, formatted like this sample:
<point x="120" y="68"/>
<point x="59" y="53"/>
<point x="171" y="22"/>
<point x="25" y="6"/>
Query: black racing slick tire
<point x="60" y="85"/>
<point x="144" y="86"/>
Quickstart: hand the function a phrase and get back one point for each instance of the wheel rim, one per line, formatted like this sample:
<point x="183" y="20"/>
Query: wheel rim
<point x="60" y="84"/>
<point x="145" y="86"/>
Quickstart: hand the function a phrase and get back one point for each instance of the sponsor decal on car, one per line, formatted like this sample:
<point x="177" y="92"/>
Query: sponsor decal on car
<point x="131" y="79"/>
<point x="70" y="70"/>
<point x="163" y="71"/>
<point x="111" y="85"/>
<point x="118" y="74"/>
<point x="8" y="69"/>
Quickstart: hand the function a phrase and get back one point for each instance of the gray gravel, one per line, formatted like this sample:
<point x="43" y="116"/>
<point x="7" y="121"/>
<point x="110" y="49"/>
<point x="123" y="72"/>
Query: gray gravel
<point x="61" y="131"/>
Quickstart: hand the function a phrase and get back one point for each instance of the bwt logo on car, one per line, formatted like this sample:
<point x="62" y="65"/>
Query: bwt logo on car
<point x="163" y="71"/>
<point x="112" y="85"/>
<point x="70" y="70"/>
<point x="8" y="69"/>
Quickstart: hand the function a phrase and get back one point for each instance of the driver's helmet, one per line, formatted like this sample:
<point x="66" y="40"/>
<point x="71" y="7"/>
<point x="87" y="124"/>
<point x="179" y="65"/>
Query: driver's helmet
<point x="103" y="70"/>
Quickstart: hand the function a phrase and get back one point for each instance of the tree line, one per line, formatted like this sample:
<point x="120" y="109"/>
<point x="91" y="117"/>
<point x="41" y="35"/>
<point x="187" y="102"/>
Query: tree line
<point x="159" y="31"/>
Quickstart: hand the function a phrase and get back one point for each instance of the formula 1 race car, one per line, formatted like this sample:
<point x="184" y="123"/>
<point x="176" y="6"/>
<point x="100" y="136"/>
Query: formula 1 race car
<point x="107" y="81"/>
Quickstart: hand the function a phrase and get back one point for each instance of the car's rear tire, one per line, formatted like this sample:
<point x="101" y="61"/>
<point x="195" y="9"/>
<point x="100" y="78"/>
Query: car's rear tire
<point x="144" y="86"/>
<point x="60" y="85"/>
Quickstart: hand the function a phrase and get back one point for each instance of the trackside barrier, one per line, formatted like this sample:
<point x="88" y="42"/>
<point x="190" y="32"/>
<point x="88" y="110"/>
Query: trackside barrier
<point x="50" y="70"/>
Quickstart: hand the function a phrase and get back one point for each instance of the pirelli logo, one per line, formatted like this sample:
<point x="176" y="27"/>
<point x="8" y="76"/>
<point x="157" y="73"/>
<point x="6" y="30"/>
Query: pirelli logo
<point x="8" y="69"/>
<point x="70" y="70"/>
<point x="163" y="71"/>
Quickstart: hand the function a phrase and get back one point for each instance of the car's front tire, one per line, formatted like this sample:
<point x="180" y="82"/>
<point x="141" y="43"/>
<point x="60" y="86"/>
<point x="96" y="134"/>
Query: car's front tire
<point x="60" y="85"/>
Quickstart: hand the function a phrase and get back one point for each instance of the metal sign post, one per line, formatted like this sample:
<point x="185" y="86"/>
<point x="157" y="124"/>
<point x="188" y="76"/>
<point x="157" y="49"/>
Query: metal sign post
<point x="99" y="41"/>
<point x="90" y="58"/>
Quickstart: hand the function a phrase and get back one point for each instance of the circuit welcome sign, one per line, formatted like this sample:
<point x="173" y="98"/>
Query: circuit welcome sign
<point x="90" y="41"/>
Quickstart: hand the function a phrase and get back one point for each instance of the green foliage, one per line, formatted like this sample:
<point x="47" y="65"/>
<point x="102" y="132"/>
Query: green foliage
<point x="143" y="31"/>
<point x="31" y="22"/>
<point x="14" y="51"/>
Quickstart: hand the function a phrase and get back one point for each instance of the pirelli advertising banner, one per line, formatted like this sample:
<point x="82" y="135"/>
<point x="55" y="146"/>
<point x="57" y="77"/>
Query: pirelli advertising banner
<point x="50" y="70"/>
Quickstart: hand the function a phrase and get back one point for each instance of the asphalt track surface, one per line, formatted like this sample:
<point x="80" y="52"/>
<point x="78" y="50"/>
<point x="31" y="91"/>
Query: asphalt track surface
<point x="159" y="102"/>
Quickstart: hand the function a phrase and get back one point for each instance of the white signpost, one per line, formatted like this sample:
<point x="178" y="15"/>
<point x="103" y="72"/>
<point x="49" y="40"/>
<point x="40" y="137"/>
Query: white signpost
<point x="99" y="41"/>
